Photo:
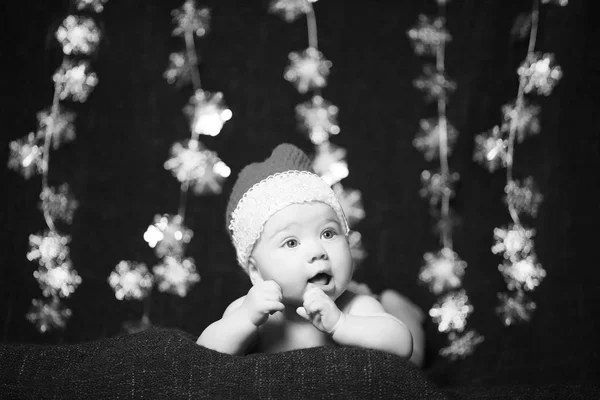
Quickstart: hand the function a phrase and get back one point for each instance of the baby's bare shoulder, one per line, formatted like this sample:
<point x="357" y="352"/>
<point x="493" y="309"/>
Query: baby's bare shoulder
<point x="359" y="304"/>
<point x="234" y="305"/>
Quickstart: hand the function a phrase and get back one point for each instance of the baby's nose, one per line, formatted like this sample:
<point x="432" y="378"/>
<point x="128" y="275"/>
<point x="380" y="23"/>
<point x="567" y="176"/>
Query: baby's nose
<point x="320" y="256"/>
<point x="317" y="252"/>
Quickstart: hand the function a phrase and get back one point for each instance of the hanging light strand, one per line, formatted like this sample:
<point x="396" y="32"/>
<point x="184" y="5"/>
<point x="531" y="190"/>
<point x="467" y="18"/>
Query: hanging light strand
<point x="443" y="270"/>
<point x="197" y="168"/>
<point x="308" y="71"/>
<point x="538" y="74"/>
<point x="79" y="37"/>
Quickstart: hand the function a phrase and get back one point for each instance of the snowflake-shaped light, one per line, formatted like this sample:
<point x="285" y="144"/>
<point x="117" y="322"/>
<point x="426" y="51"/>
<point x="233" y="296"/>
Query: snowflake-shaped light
<point x="207" y="112"/>
<point x="539" y="74"/>
<point x="357" y="250"/>
<point x="48" y="314"/>
<point x="179" y="70"/>
<point x="189" y="18"/>
<point x="561" y="3"/>
<point x="307" y="70"/>
<point x="290" y="10"/>
<point x="434" y="84"/>
<point x="74" y="81"/>
<point x="175" y="276"/>
<point x="524" y="274"/>
<point x="428" y="139"/>
<point x="443" y="270"/>
<point x="60" y="280"/>
<point x="319" y="118"/>
<point x="436" y="185"/>
<point x="452" y="311"/>
<point x="526" y="120"/>
<point x="491" y="149"/>
<point x="514" y="308"/>
<point x="427" y="35"/>
<point x="49" y="249"/>
<point x="131" y="280"/>
<point x="514" y="243"/>
<point x="329" y="163"/>
<point x="462" y="345"/>
<point x="78" y="35"/>
<point x="95" y="5"/>
<point x="168" y="235"/>
<point x="26" y="156"/>
<point x="200" y="167"/>
<point x="61" y="124"/>
<point x="524" y="198"/>
<point x="351" y="202"/>
<point x="58" y="204"/>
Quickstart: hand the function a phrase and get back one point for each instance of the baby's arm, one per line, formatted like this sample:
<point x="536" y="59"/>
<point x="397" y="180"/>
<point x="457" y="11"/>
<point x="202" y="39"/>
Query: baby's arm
<point x="364" y="323"/>
<point x="234" y="332"/>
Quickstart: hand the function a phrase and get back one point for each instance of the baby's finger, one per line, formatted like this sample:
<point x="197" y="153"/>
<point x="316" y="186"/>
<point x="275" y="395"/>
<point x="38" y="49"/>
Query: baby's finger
<point x="314" y="294"/>
<point x="312" y="290"/>
<point x="313" y="306"/>
<point x="270" y="295"/>
<point x="272" y="285"/>
<point x="301" y="311"/>
<point x="275" y="306"/>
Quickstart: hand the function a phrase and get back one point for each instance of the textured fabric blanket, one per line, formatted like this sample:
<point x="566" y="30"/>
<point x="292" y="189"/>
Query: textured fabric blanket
<point x="167" y="364"/>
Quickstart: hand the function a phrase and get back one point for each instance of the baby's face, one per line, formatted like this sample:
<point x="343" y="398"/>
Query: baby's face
<point x="303" y="245"/>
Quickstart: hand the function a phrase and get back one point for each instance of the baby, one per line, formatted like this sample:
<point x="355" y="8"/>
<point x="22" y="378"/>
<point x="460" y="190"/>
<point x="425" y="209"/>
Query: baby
<point x="290" y="236"/>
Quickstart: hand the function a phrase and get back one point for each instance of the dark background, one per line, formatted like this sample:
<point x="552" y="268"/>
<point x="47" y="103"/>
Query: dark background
<point x="126" y="128"/>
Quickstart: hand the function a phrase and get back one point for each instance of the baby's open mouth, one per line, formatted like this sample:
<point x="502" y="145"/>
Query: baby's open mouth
<point x="320" y="279"/>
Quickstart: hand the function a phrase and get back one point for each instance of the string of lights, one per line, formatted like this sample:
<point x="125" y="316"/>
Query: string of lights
<point x="538" y="75"/>
<point x="192" y="163"/>
<point x="308" y="71"/>
<point x="74" y="80"/>
<point x="444" y="269"/>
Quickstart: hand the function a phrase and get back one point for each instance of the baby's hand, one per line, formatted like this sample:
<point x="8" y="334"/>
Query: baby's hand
<point x="263" y="299"/>
<point x="320" y="310"/>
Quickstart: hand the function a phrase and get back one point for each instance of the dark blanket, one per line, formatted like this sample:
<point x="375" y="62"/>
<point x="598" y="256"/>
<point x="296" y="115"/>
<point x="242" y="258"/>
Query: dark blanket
<point x="167" y="364"/>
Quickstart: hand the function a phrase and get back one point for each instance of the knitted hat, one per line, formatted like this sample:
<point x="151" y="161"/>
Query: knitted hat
<point x="264" y="188"/>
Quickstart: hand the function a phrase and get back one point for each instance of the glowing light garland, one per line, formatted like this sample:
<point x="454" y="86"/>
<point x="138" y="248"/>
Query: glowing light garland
<point x="208" y="113"/>
<point x="319" y="118"/>
<point x="95" y="5"/>
<point x="428" y="139"/>
<point x="538" y="75"/>
<point x="78" y="35"/>
<point x="61" y="121"/>
<point x="290" y="10"/>
<point x="60" y="205"/>
<point x="168" y="235"/>
<point x="131" y="280"/>
<point x="73" y="81"/>
<point x="175" y="275"/>
<point x="48" y="314"/>
<point x="308" y="71"/>
<point x="192" y="164"/>
<point x="443" y="269"/>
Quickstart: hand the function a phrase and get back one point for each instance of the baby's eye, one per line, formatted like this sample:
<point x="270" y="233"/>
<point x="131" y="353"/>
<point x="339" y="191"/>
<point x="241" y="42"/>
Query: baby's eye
<point x="291" y="243"/>
<point x="329" y="233"/>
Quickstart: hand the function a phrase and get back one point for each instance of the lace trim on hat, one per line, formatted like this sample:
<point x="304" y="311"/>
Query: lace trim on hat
<point x="270" y="195"/>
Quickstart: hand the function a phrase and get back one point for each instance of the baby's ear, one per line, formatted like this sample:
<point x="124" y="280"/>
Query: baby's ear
<point x="253" y="272"/>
